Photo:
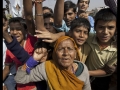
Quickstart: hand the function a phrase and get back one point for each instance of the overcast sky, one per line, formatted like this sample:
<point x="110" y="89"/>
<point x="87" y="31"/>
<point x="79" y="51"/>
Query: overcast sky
<point x="51" y="3"/>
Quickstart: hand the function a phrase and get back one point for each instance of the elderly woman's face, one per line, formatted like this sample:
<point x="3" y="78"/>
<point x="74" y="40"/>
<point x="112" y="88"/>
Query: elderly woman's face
<point x="66" y="53"/>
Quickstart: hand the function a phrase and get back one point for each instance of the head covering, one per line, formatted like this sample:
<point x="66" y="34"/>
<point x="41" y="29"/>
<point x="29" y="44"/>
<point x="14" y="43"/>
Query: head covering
<point x="62" y="39"/>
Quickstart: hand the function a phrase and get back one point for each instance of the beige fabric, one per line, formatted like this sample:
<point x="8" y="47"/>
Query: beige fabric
<point x="98" y="58"/>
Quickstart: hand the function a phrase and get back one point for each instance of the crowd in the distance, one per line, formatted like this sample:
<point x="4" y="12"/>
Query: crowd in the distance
<point x="64" y="49"/>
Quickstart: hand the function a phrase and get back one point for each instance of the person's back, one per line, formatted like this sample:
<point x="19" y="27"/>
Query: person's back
<point x="104" y="50"/>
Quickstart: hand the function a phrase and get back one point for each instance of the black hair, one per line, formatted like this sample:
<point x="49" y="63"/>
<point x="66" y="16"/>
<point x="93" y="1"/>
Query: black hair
<point x="68" y="5"/>
<point x="79" y="1"/>
<point x="48" y="15"/>
<point x="45" y="7"/>
<point x="104" y="14"/>
<point x="20" y="20"/>
<point x="80" y="22"/>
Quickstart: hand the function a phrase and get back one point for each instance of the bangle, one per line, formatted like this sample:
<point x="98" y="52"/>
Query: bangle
<point x="39" y="14"/>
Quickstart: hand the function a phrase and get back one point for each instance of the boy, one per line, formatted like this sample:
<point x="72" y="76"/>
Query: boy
<point x="104" y="50"/>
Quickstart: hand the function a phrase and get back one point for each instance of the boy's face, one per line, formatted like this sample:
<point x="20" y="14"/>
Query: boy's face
<point x="83" y="5"/>
<point x="105" y="31"/>
<point x="17" y="30"/>
<point x="69" y="16"/>
<point x="80" y="35"/>
<point x="48" y="23"/>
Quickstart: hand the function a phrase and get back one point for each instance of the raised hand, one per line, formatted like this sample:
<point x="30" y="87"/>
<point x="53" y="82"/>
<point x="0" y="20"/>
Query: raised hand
<point x="40" y="54"/>
<point x="47" y="36"/>
<point x="5" y="26"/>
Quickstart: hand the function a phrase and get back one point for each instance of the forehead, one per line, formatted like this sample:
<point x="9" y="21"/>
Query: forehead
<point x="81" y="28"/>
<point x="70" y="11"/>
<point x="106" y="23"/>
<point x="84" y="0"/>
<point x="49" y="19"/>
<point x="66" y="43"/>
<point x="15" y="24"/>
<point x="46" y="11"/>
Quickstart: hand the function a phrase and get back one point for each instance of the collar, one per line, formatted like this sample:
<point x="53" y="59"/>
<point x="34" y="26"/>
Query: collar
<point x="111" y="47"/>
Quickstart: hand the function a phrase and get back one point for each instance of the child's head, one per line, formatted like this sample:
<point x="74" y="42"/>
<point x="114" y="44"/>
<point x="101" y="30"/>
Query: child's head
<point x="83" y="4"/>
<point x="47" y="10"/>
<point x="105" y="25"/>
<point x="48" y="22"/>
<point x="18" y="28"/>
<point x="69" y="12"/>
<point x="79" y="31"/>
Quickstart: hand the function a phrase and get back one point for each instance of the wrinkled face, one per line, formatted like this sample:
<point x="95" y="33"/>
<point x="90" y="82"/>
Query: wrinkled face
<point x="48" y="23"/>
<point x="69" y="16"/>
<point x="17" y="30"/>
<point x="83" y="5"/>
<point x="80" y="35"/>
<point x="105" y="30"/>
<point x="46" y="11"/>
<point x="65" y="53"/>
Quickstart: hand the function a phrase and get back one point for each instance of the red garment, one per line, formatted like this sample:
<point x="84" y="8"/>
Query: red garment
<point x="10" y="58"/>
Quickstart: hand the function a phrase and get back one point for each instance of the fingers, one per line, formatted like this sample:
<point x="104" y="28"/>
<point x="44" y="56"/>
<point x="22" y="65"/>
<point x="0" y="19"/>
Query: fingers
<point x="48" y="41"/>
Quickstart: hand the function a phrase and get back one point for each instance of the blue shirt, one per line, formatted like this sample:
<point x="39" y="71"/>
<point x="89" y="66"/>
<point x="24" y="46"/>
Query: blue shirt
<point x="65" y="28"/>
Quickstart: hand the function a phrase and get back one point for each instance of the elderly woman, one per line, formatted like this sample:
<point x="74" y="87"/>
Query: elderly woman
<point x="61" y="73"/>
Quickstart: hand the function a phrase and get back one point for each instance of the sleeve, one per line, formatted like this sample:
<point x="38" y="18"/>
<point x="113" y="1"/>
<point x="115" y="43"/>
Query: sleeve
<point x="17" y="50"/>
<point x="63" y="28"/>
<point x="91" y="21"/>
<point x="87" y="85"/>
<point x="37" y="74"/>
<point x="112" y="4"/>
<point x="8" y="60"/>
<point x="113" y="60"/>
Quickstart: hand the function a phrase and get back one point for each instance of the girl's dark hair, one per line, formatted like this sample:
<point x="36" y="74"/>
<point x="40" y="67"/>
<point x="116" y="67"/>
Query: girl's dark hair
<point x="68" y="5"/>
<point x="104" y="14"/>
<point x="80" y="22"/>
<point x="20" y="20"/>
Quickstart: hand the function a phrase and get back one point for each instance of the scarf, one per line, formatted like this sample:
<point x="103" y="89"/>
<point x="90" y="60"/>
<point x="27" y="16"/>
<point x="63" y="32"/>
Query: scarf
<point x="61" y="79"/>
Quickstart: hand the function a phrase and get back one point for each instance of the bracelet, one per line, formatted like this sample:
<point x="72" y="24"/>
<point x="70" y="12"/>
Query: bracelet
<point x="39" y="14"/>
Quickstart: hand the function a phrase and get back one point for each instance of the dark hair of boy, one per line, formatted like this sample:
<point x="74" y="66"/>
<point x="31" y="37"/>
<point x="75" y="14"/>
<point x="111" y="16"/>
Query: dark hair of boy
<point x="45" y="7"/>
<point x="78" y="22"/>
<point x="68" y="5"/>
<point x="79" y="1"/>
<point x="105" y="15"/>
<point x="20" y="20"/>
<point x="48" y="15"/>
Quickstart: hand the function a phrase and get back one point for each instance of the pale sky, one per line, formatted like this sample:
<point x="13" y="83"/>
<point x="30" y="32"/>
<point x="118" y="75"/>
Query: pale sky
<point x="50" y="3"/>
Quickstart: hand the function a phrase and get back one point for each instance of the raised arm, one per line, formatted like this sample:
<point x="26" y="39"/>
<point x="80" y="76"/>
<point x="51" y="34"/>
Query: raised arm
<point x="58" y="13"/>
<point x="27" y="4"/>
<point x="39" y="15"/>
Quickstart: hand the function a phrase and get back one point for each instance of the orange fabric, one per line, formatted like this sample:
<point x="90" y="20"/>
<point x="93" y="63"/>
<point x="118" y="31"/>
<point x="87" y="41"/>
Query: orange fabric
<point x="62" y="39"/>
<point x="61" y="79"/>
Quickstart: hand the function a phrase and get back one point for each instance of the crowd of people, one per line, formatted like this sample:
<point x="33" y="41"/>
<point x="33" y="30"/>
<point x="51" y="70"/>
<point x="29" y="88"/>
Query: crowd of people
<point x="64" y="49"/>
